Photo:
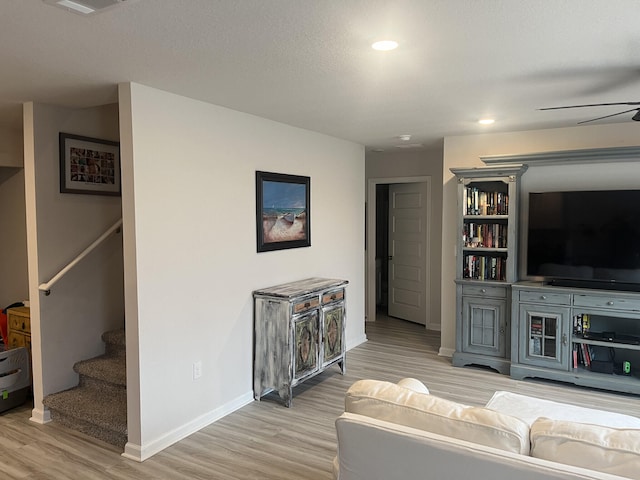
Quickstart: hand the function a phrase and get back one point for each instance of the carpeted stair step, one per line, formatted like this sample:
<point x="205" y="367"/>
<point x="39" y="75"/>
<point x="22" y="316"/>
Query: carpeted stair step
<point x="98" y="405"/>
<point x="90" y="411"/>
<point x="115" y="342"/>
<point x="105" y="368"/>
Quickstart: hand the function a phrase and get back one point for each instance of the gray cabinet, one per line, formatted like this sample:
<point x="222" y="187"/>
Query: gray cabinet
<point x="587" y="337"/>
<point x="299" y="330"/>
<point x="486" y="263"/>
<point x="483" y="326"/>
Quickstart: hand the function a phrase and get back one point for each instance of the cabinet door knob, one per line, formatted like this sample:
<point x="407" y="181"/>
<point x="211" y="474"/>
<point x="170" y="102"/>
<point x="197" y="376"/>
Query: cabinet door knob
<point x="609" y="303"/>
<point x="543" y="297"/>
<point x="564" y="339"/>
<point x="484" y="290"/>
<point x="502" y="331"/>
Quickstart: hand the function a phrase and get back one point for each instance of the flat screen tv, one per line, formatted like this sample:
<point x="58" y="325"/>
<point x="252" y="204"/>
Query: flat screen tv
<point x="585" y="238"/>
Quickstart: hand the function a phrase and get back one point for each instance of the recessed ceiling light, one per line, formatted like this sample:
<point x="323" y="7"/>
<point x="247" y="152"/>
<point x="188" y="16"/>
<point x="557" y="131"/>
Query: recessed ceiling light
<point x="86" y="7"/>
<point x="404" y="138"/>
<point x="486" y="121"/>
<point x="410" y="145"/>
<point x="385" y="45"/>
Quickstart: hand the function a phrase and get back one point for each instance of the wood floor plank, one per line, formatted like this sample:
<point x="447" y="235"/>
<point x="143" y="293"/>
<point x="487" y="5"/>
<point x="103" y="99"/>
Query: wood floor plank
<point x="265" y="440"/>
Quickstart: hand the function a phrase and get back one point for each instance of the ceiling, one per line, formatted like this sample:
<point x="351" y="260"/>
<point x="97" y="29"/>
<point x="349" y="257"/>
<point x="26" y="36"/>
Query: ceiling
<point x="309" y="63"/>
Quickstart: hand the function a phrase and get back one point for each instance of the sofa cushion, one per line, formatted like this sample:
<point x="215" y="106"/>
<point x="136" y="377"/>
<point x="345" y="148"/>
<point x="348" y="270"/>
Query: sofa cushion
<point x="394" y="403"/>
<point x="530" y="408"/>
<point x="604" y="449"/>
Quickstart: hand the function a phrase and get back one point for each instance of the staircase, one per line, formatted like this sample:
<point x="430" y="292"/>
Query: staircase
<point x="98" y="405"/>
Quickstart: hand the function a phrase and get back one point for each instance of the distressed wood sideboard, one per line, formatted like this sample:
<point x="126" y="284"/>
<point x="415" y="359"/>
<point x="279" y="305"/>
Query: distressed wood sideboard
<point x="299" y="331"/>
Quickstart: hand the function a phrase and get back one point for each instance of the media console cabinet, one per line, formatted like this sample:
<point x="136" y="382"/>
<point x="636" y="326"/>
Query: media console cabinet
<point x="554" y="328"/>
<point x="586" y="336"/>
<point x="299" y="331"/>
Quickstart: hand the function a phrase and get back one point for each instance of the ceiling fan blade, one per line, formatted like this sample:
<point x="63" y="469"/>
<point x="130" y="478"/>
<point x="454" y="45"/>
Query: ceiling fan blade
<point x="591" y="105"/>
<point x="607" y="116"/>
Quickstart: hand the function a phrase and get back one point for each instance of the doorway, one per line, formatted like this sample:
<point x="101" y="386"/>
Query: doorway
<point x="393" y="284"/>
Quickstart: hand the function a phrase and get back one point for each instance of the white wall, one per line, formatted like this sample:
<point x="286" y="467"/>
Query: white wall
<point x="190" y="250"/>
<point x="11" y="147"/>
<point x="67" y="325"/>
<point x="13" y="242"/>
<point x="465" y="151"/>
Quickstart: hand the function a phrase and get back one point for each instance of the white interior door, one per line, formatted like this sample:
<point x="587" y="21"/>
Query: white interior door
<point x="408" y="251"/>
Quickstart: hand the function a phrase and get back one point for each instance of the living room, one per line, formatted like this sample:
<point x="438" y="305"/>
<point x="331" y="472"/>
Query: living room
<point x="188" y="177"/>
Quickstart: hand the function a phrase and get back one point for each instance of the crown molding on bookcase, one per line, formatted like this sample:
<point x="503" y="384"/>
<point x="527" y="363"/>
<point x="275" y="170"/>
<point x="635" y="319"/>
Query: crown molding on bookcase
<point x="565" y="157"/>
<point x="511" y="171"/>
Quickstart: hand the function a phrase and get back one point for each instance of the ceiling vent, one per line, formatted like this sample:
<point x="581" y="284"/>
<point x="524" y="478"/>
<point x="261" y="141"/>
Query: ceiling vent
<point x="86" y="7"/>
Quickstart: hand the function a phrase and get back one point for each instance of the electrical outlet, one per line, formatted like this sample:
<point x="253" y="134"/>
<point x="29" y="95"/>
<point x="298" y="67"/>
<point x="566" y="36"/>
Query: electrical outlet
<point x="197" y="369"/>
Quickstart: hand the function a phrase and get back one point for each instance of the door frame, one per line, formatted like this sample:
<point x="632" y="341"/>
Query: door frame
<point x="370" y="261"/>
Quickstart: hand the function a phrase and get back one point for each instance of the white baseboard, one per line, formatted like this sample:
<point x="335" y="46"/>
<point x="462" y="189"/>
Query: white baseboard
<point x="140" y="453"/>
<point x="446" y="352"/>
<point x="40" y="416"/>
<point x="358" y="341"/>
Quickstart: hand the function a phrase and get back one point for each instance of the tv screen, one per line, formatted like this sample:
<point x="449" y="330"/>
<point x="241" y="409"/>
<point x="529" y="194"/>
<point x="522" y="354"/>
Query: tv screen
<point x="589" y="238"/>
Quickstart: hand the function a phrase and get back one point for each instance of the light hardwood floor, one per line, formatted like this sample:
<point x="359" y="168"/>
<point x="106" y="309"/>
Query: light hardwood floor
<point x="265" y="440"/>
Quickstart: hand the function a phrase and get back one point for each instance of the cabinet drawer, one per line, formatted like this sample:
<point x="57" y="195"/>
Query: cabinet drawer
<point x="306" y="304"/>
<point x="545" y="297"/>
<point x="18" y="322"/>
<point x="484" y="291"/>
<point x="17" y="340"/>
<point x="626" y="304"/>
<point x="332" y="296"/>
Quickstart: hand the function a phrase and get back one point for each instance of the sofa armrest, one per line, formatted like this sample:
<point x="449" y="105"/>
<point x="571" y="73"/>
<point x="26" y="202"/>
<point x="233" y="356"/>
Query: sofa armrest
<point x="372" y="449"/>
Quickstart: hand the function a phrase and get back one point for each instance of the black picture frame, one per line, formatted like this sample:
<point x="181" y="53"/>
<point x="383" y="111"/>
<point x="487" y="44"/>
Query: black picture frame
<point x="283" y="218"/>
<point x="89" y="165"/>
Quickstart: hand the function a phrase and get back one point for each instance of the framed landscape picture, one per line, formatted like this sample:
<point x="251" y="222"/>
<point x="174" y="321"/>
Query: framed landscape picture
<point x="282" y="211"/>
<point x="89" y="165"/>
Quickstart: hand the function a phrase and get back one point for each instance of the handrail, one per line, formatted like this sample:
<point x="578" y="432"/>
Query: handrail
<point x="46" y="287"/>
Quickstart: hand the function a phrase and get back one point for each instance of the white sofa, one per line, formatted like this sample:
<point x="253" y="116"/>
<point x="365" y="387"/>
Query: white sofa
<point x="391" y="431"/>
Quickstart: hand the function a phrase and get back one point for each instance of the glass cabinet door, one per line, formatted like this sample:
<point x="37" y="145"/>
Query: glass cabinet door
<point x="544" y="337"/>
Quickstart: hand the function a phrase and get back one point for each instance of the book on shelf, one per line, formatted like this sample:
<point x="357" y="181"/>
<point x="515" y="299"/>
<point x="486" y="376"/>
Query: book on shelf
<point x="536" y="326"/>
<point x="578" y="348"/>
<point x="489" y="235"/>
<point x="581" y="324"/>
<point x="585" y="355"/>
<point x="535" y="346"/>
<point x="484" y="267"/>
<point x="479" y="202"/>
<point x="577" y="325"/>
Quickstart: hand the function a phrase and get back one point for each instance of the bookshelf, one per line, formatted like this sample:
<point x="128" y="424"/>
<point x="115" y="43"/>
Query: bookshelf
<point x="586" y="337"/>
<point x="486" y="263"/>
